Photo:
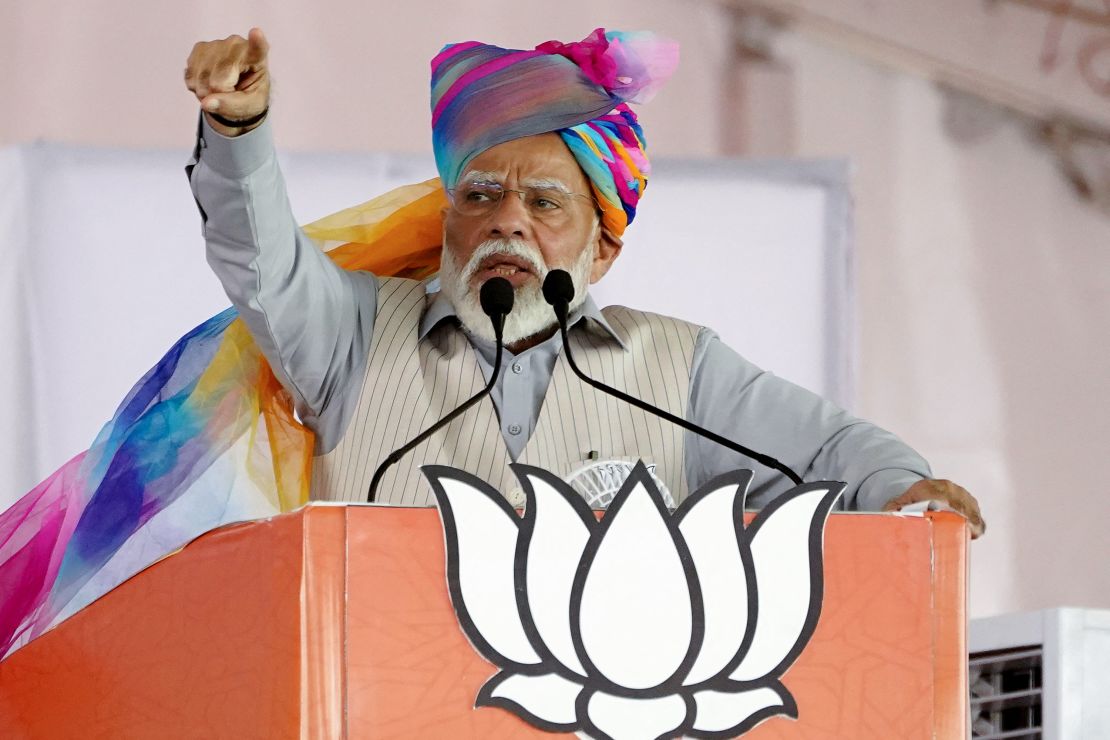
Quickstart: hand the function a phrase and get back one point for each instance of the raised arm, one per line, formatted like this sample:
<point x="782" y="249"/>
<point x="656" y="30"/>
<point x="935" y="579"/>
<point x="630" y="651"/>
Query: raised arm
<point x="312" y="319"/>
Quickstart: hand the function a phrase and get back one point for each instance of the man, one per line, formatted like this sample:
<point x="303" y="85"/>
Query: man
<point x="543" y="164"/>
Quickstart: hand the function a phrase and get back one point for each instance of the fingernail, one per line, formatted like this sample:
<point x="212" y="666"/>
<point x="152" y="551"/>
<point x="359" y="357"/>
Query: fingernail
<point x="212" y="106"/>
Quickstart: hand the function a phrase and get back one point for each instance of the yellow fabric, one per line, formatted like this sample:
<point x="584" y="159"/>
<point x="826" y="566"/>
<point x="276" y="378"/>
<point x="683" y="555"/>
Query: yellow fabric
<point x="398" y="234"/>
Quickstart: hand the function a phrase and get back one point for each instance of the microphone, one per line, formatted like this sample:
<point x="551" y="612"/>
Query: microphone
<point x="558" y="290"/>
<point x="496" y="297"/>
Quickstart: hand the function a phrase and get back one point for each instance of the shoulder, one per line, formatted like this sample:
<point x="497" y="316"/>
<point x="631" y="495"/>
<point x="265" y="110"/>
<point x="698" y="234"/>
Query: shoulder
<point x="633" y="326"/>
<point x="400" y="302"/>
<point x="398" y="283"/>
<point x="395" y="289"/>
<point x="634" y="319"/>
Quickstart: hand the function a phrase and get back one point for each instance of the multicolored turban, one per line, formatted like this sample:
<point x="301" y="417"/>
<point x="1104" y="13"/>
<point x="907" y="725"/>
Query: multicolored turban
<point x="483" y="95"/>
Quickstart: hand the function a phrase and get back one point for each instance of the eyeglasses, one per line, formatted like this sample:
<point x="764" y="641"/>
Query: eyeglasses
<point x="547" y="204"/>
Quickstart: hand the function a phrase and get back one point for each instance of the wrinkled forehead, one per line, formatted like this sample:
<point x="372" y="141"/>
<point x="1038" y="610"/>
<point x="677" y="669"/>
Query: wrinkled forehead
<point x="532" y="161"/>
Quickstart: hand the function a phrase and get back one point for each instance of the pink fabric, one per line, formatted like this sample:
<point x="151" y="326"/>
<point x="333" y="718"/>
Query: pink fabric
<point x="452" y="50"/>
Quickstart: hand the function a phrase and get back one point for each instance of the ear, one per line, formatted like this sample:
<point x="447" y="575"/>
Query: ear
<point x="608" y="249"/>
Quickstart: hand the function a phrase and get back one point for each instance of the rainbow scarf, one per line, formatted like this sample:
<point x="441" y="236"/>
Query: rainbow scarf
<point x="205" y="438"/>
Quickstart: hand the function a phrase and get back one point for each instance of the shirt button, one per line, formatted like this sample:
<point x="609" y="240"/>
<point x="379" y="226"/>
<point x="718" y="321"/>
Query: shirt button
<point x="517" y="368"/>
<point x="516" y="498"/>
<point x="514" y="429"/>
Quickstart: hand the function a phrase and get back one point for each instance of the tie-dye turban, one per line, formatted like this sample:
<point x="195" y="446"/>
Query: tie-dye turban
<point x="484" y="95"/>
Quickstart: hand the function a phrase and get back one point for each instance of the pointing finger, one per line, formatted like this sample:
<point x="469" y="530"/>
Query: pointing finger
<point x="257" y="47"/>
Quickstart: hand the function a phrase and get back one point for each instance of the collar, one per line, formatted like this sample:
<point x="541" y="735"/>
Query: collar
<point x="440" y="309"/>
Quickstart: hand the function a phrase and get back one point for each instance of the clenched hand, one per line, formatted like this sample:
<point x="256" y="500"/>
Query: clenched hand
<point x="230" y="78"/>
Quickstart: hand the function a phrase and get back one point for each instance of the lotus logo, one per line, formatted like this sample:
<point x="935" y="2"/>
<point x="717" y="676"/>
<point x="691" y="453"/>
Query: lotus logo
<point x="645" y="624"/>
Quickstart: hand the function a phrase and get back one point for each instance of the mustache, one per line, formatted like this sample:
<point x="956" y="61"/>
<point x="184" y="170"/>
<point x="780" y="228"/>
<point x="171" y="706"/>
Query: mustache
<point x="509" y="247"/>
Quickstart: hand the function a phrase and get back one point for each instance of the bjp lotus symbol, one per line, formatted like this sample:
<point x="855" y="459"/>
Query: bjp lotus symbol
<point x="645" y="624"/>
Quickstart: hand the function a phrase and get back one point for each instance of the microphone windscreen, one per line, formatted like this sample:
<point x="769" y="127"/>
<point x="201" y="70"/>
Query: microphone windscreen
<point x="558" y="288"/>
<point x="496" y="297"/>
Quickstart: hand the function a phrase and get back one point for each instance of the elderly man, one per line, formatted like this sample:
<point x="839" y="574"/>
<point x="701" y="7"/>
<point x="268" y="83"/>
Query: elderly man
<point x="543" y="163"/>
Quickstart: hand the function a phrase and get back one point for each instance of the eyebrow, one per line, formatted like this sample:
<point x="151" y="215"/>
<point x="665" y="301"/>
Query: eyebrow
<point x="476" y="176"/>
<point x="547" y="183"/>
<point x="493" y="178"/>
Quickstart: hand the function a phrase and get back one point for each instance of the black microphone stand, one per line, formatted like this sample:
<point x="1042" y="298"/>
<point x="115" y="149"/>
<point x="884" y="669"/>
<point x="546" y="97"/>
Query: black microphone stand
<point x="497" y="301"/>
<point x="558" y="290"/>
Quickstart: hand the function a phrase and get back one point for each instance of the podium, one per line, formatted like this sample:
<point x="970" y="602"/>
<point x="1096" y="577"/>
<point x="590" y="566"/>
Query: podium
<point x="335" y="621"/>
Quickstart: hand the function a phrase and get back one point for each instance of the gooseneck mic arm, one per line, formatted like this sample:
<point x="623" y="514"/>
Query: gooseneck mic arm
<point x="558" y="290"/>
<point x="496" y="297"/>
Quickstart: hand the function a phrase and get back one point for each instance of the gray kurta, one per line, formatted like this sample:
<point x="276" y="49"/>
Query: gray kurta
<point x="314" y="322"/>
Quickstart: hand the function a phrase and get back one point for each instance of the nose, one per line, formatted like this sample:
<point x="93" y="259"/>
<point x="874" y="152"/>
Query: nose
<point x="511" y="217"/>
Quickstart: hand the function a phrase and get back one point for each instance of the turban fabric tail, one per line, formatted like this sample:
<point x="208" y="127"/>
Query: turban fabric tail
<point x="208" y="431"/>
<point x="208" y="436"/>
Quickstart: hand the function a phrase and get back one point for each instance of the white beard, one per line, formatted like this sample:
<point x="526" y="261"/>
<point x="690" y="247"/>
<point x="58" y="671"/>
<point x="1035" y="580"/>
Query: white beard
<point x="531" y="314"/>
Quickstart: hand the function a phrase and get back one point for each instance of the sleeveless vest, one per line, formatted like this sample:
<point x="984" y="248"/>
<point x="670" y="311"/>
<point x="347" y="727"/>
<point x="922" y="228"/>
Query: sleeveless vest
<point x="410" y="384"/>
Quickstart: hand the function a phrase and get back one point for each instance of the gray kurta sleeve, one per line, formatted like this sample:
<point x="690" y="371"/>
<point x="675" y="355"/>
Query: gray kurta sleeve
<point x="810" y="435"/>
<point x="312" y="319"/>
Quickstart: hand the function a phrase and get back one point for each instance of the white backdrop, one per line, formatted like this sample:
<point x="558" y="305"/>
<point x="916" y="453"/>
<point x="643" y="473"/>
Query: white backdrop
<point x="104" y="269"/>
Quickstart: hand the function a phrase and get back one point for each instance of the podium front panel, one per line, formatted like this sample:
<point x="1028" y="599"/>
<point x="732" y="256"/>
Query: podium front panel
<point x="335" y="621"/>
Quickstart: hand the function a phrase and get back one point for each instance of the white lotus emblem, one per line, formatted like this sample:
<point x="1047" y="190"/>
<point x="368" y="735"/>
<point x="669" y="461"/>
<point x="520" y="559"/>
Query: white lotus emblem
<point x="642" y="625"/>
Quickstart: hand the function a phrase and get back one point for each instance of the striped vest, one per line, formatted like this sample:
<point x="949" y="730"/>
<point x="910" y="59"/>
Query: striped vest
<point x="410" y="384"/>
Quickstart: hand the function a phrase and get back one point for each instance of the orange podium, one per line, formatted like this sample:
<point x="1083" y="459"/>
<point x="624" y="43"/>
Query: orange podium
<point x="335" y="621"/>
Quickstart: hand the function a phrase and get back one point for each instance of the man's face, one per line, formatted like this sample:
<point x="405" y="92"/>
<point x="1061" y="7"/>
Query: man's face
<point x="521" y="238"/>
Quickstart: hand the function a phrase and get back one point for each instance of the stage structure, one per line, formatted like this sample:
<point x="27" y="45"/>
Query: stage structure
<point x="485" y="622"/>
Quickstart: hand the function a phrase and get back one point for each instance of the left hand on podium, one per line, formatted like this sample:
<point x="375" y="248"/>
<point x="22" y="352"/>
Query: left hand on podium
<point x="946" y="492"/>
